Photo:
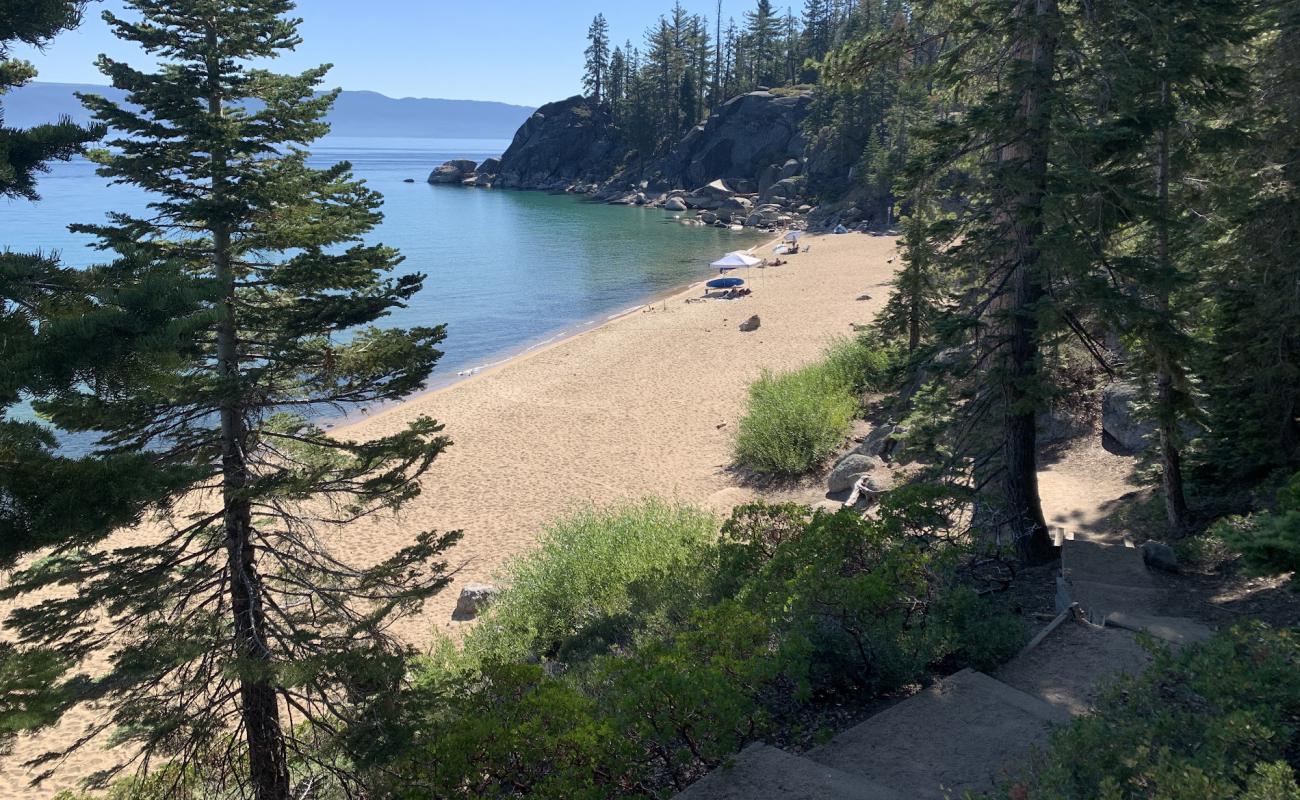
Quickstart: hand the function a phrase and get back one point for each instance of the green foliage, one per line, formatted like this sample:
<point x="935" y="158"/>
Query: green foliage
<point x="794" y="420"/>
<point x="786" y="610"/>
<point x="1269" y="541"/>
<point x="1220" y="719"/>
<point x="861" y="364"/>
<point x="595" y="578"/>
<point x="245" y="302"/>
<point x="509" y="730"/>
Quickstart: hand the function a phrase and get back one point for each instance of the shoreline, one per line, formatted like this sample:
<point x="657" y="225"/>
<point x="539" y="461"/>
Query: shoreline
<point x="508" y="356"/>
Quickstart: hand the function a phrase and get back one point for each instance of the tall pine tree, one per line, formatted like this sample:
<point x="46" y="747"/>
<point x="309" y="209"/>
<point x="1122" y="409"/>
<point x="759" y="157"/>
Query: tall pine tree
<point x="596" y="77"/>
<point x="238" y="310"/>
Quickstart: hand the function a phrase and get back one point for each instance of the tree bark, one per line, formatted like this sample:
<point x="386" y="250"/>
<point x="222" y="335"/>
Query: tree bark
<point x="1035" y="49"/>
<point x="259" y="705"/>
<point x="1166" y="401"/>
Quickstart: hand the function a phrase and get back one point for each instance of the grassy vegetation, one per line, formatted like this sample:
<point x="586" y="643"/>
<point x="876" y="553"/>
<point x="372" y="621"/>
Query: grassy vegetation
<point x="594" y="571"/>
<point x="1218" y="720"/>
<point x="795" y="420"/>
<point x="656" y="646"/>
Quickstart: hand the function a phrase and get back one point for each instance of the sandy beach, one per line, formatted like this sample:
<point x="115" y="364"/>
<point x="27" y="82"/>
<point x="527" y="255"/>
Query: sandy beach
<point x="645" y="404"/>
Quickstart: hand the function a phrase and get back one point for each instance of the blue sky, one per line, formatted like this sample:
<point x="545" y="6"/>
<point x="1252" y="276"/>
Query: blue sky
<point x="517" y="51"/>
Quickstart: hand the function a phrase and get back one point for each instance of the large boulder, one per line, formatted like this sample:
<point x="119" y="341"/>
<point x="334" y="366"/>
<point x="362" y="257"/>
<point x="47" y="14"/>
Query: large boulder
<point x="562" y="143"/>
<point x="1122" y="430"/>
<point x="674" y="204"/>
<point x="454" y="171"/>
<point x="735" y="209"/>
<point x="880" y="442"/>
<point x="739" y="142"/>
<point x="490" y="166"/>
<point x="787" y="189"/>
<point x="850" y="468"/>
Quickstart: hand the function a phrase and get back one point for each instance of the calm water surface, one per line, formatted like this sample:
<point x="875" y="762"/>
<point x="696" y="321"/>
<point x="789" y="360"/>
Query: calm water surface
<point x="505" y="270"/>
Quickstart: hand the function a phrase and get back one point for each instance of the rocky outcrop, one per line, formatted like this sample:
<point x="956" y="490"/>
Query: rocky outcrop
<point x="455" y="171"/>
<point x="748" y="142"/>
<point x="562" y="144"/>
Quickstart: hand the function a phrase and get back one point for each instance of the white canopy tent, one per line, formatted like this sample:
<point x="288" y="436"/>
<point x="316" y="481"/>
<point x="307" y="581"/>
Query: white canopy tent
<point x="794" y="236"/>
<point x="736" y="260"/>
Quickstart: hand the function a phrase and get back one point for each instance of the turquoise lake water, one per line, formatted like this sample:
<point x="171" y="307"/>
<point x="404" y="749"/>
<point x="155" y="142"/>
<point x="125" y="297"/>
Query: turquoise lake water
<point x="505" y="269"/>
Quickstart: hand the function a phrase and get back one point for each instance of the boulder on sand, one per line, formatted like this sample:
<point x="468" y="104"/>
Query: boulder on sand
<point x="849" y="469"/>
<point x="750" y="324"/>
<point x="473" y="598"/>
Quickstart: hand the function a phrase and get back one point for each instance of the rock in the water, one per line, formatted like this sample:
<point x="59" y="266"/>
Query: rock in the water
<point x="750" y="324"/>
<point x="454" y="171"/>
<point x="1124" y="431"/>
<point x="473" y="598"/>
<point x="735" y="209"/>
<point x="849" y="469"/>
<point x="490" y="166"/>
<point x="1159" y="556"/>
<point x="708" y="217"/>
<point x="408" y="180"/>
<point x="675" y="204"/>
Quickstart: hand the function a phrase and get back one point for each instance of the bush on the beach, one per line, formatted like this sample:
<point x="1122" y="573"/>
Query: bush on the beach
<point x="795" y="420"/>
<point x="861" y="364"/>
<point x="1220" y="719"/>
<point x="596" y="577"/>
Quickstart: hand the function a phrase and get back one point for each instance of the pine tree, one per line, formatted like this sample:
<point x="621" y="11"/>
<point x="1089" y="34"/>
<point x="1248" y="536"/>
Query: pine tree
<point x="995" y="251"/>
<point x="235" y="312"/>
<point x="761" y="42"/>
<point x="44" y="497"/>
<point x="1251" y="359"/>
<point x="597" y="64"/>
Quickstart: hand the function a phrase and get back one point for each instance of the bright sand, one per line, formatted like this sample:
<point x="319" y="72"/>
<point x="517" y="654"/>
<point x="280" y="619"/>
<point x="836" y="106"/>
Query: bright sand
<point x="646" y="404"/>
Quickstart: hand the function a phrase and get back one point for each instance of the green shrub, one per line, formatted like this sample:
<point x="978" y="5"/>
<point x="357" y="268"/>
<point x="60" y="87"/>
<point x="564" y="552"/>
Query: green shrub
<point x="1269" y="542"/>
<point x="1219" y="720"/>
<point x="860" y="365"/>
<point x="595" y="578"/>
<point x="794" y="421"/>
<point x="677" y="646"/>
<point x="857" y="603"/>
<point x="509" y="730"/>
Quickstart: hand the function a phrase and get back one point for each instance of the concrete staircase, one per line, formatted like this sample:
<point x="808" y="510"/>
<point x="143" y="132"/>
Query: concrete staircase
<point x="970" y="731"/>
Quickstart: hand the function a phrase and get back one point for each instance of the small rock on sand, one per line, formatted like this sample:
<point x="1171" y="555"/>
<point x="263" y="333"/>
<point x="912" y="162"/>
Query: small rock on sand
<point x="473" y="598"/>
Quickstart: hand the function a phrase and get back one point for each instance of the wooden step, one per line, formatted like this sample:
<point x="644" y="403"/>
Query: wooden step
<point x="1100" y="562"/>
<point x="761" y="772"/>
<point x="964" y="733"/>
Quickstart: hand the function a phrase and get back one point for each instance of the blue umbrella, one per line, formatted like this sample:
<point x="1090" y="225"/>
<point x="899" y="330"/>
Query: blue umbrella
<point x="725" y="283"/>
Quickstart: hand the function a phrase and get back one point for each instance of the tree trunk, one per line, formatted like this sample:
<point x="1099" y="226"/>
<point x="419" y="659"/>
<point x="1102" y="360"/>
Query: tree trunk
<point x="268" y="767"/>
<point x="1035" y="48"/>
<point x="1166" y="402"/>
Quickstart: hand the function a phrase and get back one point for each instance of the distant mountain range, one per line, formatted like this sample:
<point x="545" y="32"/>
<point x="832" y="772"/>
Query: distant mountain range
<point x="355" y="113"/>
